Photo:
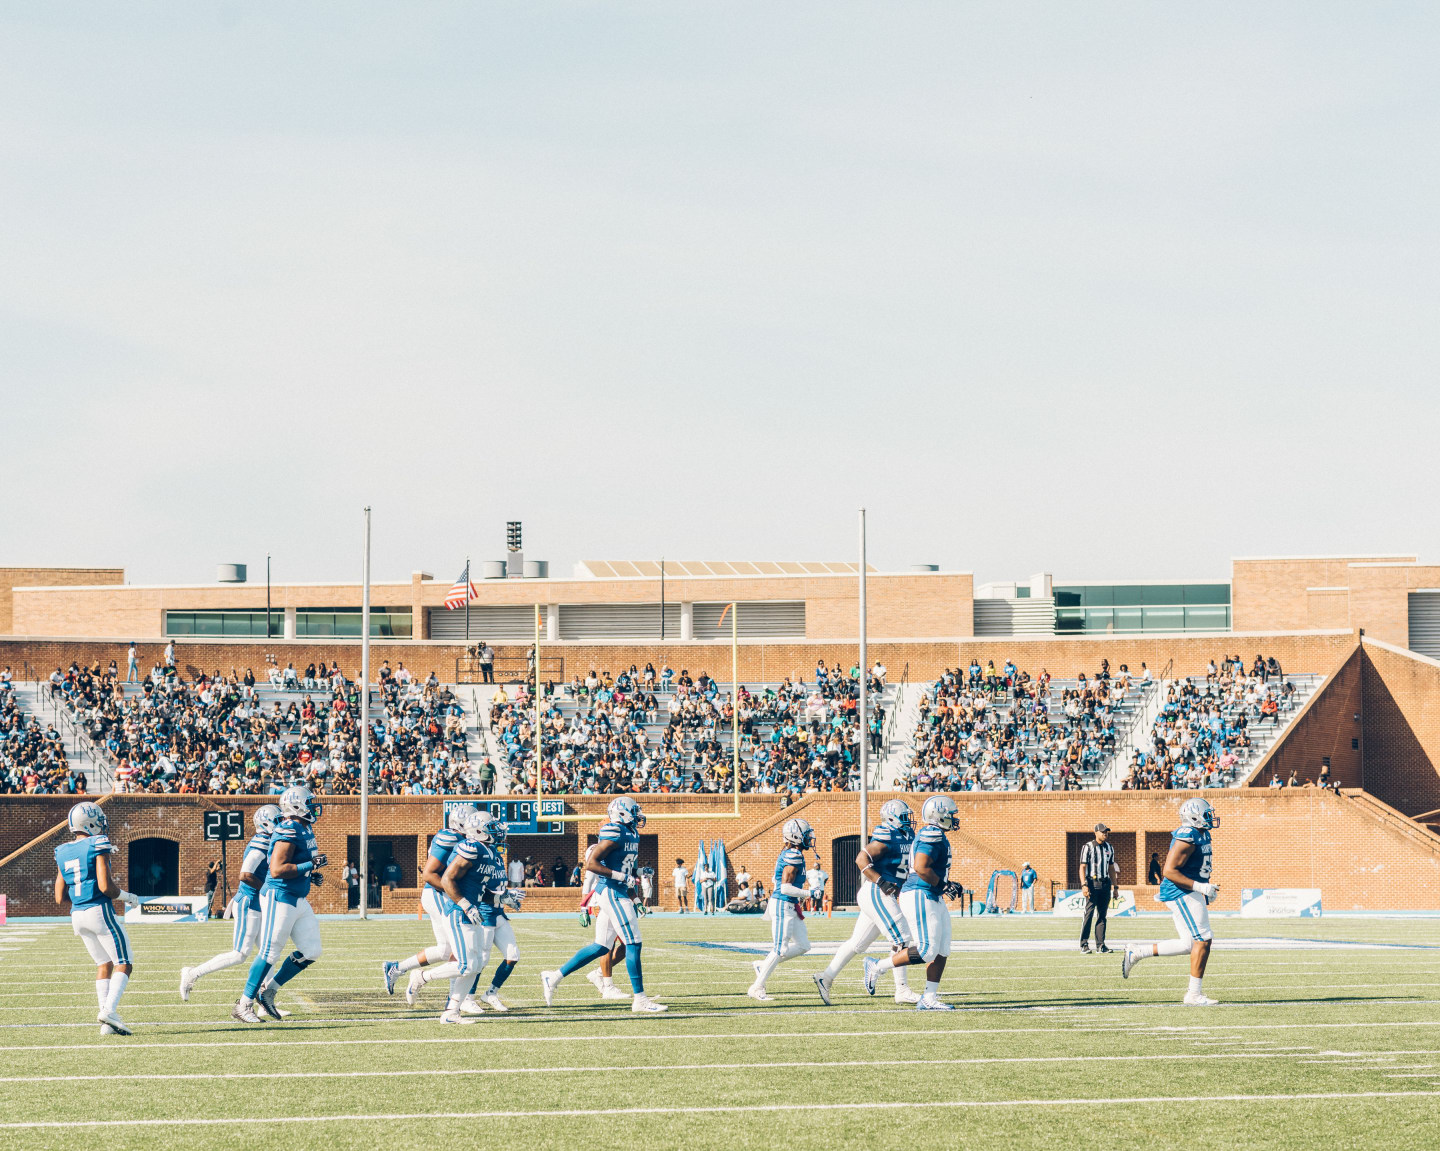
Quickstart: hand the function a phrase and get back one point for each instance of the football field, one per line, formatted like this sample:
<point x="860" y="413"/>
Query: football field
<point x="1328" y="1032"/>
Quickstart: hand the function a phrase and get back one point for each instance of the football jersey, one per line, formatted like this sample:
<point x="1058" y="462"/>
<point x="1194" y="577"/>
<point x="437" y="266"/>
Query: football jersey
<point x="1196" y="868"/>
<point x="442" y="843"/>
<point x="301" y="838"/>
<point x="622" y="858"/>
<point x="76" y="861"/>
<point x="790" y="857"/>
<point x="894" y="865"/>
<point x="255" y="861"/>
<point x="932" y="842"/>
<point x="483" y="880"/>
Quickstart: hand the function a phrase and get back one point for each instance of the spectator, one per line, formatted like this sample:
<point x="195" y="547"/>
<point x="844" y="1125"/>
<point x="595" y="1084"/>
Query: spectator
<point x="487" y="662"/>
<point x="516" y="870"/>
<point x="680" y="877"/>
<point x="560" y="871"/>
<point x="1155" y="872"/>
<point x="351" y="877"/>
<point x="391" y="874"/>
<point x="1028" y="876"/>
<point x="132" y="665"/>
<point x="212" y="881"/>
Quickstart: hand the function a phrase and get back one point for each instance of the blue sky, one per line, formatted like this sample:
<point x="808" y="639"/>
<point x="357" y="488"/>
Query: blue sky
<point x="1115" y="290"/>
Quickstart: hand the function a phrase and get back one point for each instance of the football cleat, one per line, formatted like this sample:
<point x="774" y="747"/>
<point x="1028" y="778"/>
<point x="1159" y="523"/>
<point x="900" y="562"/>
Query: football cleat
<point x="549" y="980"/>
<point x="265" y="1004"/>
<point x="872" y="972"/>
<point x="454" y="1017"/>
<point x="1200" y="1000"/>
<point x="187" y="982"/>
<point x="492" y="998"/>
<point x="244" y="1014"/>
<point x="906" y="995"/>
<point x="117" y="1024"/>
<point x="1127" y="962"/>
<point x="471" y="1007"/>
<point x="644" y="1005"/>
<point x="757" y="964"/>
<point x="1103" y="950"/>
<point x="417" y="981"/>
<point x="933" y="1003"/>
<point x="822" y="988"/>
<point x="596" y="978"/>
<point x="391" y="972"/>
<point x="610" y="991"/>
<point x="757" y="992"/>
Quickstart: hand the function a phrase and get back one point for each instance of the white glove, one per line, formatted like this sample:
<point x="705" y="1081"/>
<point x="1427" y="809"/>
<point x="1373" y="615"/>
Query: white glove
<point x="472" y="913"/>
<point x="129" y="900"/>
<point x="1208" y="890"/>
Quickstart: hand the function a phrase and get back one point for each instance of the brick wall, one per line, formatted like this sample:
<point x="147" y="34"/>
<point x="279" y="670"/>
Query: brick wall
<point x="1326" y="727"/>
<point x="11" y="578"/>
<point x="1272" y="593"/>
<point x="1288" y="838"/>
<point x="760" y="660"/>
<point x="1401" y="742"/>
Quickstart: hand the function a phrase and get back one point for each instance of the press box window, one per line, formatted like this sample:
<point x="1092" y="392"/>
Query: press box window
<point x="343" y="622"/>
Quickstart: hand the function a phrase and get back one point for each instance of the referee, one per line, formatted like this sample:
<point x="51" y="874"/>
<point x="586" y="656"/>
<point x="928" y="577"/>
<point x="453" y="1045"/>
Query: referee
<point x="1097" y="870"/>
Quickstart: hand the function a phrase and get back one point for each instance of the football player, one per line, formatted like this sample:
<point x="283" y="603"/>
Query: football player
<point x="83" y="876"/>
<point x="285" y="912"/>
<point x="603" y="974"/>
<point x="473" y="882"/>
<point x="1186" y="890"/>
<point x="245" y="907"/>
<point x="612" y="860"/>
<point x="432" y="902"/>
<point x="922" y="899"/>
<point x="485" y="838"/>
<point x="884" y="864"/>
<point x="788" y="937"/>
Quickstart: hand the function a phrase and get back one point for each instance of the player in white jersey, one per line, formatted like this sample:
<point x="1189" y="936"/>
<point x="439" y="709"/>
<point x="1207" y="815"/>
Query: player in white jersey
<point x="1186" y="890"/>
<point x="244" y="909"/>
<point x="84" y="878"/>
<point x="884" y="864"/>
<point x="788" y="937"/>
<point x="613" y="861"/>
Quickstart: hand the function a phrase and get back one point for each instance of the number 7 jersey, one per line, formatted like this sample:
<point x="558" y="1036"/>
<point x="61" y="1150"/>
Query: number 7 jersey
<point x="76" y="861"/>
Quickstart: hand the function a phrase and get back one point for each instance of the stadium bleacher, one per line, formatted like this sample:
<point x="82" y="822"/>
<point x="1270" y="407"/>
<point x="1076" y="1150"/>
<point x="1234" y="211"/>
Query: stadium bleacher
<point x="33" y="760"/>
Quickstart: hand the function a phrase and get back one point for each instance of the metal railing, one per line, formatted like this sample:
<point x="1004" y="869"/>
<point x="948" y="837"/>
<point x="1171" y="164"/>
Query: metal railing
<point x="83" y="743"/>
<point x="509" y="669"/>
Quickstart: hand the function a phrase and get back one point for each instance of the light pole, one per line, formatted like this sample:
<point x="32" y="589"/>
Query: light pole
<point x="365" y="729"/>
<point x="864" y="697"/>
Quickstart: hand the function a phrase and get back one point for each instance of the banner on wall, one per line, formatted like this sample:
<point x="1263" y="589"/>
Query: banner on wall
<point x="1072" y="904"/>
<point x="169" y="909"/>
<point x="1280" y="903"/>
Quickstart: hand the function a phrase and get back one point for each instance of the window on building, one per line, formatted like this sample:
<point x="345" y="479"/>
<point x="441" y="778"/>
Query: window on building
<point x="1118" y="608"/>
<point x="223" y="623"/>
<point x="341" y="622"/>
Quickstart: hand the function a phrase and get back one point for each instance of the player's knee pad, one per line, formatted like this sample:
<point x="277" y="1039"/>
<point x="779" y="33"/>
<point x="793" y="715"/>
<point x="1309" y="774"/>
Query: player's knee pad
<point x="301" y="960"/>
<point x="512" y="953"/>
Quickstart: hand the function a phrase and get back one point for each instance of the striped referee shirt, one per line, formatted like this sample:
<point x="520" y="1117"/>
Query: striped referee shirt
<point x="1097" y="860"/>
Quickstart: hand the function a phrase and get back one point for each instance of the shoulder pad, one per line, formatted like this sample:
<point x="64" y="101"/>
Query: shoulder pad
<point x="467" y="849"/>
<point x="100" y="844"/>
<point x="1187" y="834"/>
<point x="930" y="834"/>
<point x="883" y="833"/>
<point x="612" y="831"/>
<point x="792" y="855"/>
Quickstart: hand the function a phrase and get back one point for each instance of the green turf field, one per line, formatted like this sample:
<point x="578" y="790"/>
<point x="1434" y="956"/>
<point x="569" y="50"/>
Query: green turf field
<point x="1333" y="1046"/>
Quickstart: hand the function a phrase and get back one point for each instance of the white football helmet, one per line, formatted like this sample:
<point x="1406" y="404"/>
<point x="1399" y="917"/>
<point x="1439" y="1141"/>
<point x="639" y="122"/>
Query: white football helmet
<point x="266" y="818"/>
<point x="1199" y="814"/>
<point x="941" y="811"/>
<point x="624" y="810"/>
<point x="458" y="815"/>
<point x="298" y="803"/>
<point x="88" y="818"/>
<point x="477" y="826"/>
<point x="896" y="813"/>
<point x="798" y="833"/>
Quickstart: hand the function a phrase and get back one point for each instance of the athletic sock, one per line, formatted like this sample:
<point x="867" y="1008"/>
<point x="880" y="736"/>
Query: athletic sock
<point x="932" y="987"/>
<point x="584" y="957"/>
<point x="842" y="957"/>
<point x="458" y="987"/>
<point x="632" y="965"/>
<point x="443" y="972"/>
<point x="258" y="970"/>
<point x="1197" y="985"/>
<point x="102" y="992"/>
<point x="767" y="968"/>
<point x="901" y="984"/>
<point x="219" y="963"/>
<point x="430" y="955"/>
<point x="118" y="982"/>
<point x="502" y="973"/>
<point x="289" y="969"/>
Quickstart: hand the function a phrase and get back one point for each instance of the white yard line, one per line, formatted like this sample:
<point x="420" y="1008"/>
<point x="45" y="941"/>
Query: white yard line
<point x="748" y="1109"/>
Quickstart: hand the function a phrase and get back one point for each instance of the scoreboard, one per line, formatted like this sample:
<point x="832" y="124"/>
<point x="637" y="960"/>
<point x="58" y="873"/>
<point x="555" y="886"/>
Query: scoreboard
<point x="520" y="816"/>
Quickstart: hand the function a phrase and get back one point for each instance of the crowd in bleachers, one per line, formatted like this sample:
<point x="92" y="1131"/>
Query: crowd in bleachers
<point x="32" y="756"/>
<point x="1202" y="736"/>
<point x="1002" y="729"/>
<point x="647" y="731"/>
<point x="219" y="734"/>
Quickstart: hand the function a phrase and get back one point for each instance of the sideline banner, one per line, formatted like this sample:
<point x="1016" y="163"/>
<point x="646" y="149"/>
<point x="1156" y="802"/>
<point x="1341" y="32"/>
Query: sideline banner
<point x="1280" y="903"/>
<point x="1071" y="904"/>
<point x="2" y="910"/>
<point x="169" y="909"/>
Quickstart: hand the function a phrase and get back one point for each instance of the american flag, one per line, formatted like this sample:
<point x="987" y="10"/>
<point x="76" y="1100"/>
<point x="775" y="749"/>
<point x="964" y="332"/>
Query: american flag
<point x="463" y="591"/>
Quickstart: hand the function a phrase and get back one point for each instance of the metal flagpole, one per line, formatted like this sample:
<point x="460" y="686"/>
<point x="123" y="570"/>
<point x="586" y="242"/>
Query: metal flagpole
<point x="467" y="602"/>
<point x="365" y="729"/>
<point x="539" y="744"/>
<point x="735" y="698"/>
<point x="864" y="697"/>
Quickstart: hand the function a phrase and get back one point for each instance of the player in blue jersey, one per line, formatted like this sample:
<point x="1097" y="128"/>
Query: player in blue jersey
<point x="922" y="899"/>
<point x="83" y="876"/>
<point x="477" y="896"/>
<point x="788" y="937"/>
<point x="884" y="864"/>
<point x="612" y="860"/>
<point x="432" y="902"/>
<point x="285" y="912"/>
<point x="1186" y="890"/>
<point x="244" y="908"/>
